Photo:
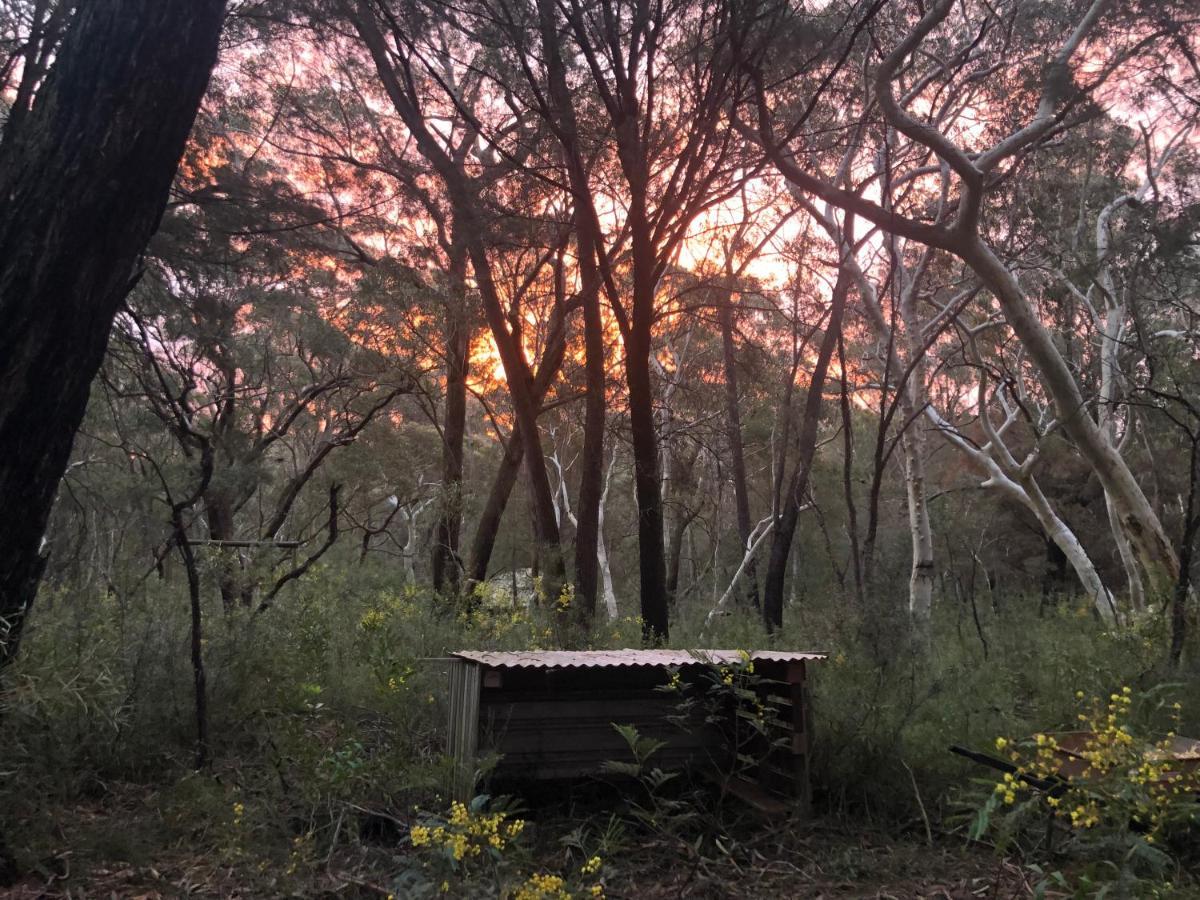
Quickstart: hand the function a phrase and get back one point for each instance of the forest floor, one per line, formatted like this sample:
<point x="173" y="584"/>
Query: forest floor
<point x="122" y="848"/>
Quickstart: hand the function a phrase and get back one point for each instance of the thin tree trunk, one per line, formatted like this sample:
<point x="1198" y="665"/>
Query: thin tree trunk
<point x="1187" y="549"/>
<point x="733" y="429"/>
<point x="199" y="678"/>
<point x="84" y="181"/>
<point x="610" y="595"/>
<point x="445" y="563"/>
<point x="675" y="547"/>
<point x="806" y="442"/>
<point x="488" y="528"/>
<point x="912" y="445"/>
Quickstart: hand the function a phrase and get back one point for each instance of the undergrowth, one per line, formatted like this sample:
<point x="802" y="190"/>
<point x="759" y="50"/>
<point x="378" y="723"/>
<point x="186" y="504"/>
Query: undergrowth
<point x="326" y="712"/>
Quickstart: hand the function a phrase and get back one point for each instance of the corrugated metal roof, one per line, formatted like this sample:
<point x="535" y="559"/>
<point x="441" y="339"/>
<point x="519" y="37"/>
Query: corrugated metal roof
<point x="601" y="659"/>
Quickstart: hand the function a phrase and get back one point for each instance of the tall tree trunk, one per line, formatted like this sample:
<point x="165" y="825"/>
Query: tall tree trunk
<point x="471" y="228"/>
<point x="445" y="563"/>
<point x="588" y="539"/>
<point x="488" y="528"/>
<point x="806" y="445"/>
<point x="588" y="522"/>
<point x="84" y="181"/>
<point x="737" y="460"/>
<point x="1187" y="550"/>
<point x="652" y="563"/>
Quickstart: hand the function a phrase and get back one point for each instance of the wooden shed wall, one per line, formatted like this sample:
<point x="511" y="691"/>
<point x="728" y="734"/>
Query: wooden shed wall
<point x="554" y="723"/>
<point x="547" y="723"/>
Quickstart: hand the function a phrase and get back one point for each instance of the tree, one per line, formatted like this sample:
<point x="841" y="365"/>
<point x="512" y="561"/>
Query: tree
<point x="85" y="172"/>
<point x="391" y="43"/>
<point x="661" y="76"/>
<point x="977" y="174"/>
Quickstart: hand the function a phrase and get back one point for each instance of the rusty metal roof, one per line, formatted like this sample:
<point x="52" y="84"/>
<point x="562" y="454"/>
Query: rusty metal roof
<point x="606" y="659"/>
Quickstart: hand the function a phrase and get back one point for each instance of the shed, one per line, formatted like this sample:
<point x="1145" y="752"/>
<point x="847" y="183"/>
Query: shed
<point x="549" y="714"/>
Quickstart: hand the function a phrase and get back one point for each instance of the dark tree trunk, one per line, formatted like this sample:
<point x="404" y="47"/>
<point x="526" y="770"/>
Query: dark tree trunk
<point x="446" y="563"/>
<point x="687" y="506"/>
<point x="493" y="509"/>
<point x="85" y="179"/>
<point x="806" y="443"/>
<point x="1187" y="550"/>
<point x="591" y="477"/>
<point x="591" y="462"/>
<point x="737" y="460"/>
<point x="652" y="565"/>
<point x="675" y="548"/>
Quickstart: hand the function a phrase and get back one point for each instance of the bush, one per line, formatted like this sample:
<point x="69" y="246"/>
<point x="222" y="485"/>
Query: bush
<point x="1108" y="792"/>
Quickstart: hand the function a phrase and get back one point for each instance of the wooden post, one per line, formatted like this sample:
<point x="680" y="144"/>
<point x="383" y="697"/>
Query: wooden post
<point x="463" y="726"/>
<point x="801" y="734"/>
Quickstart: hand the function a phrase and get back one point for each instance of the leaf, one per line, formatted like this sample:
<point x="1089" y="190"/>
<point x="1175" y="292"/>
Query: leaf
<point x="983" y="818"/>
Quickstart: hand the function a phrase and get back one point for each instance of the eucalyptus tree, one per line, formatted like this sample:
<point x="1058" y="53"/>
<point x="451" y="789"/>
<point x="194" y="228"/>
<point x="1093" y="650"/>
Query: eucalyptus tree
<point x="635" y="94"/>
<point x="935" y="54"/>
<point x="89" y="148"/>
<point x="86" y="162"/>
<point x="230" y="340"/>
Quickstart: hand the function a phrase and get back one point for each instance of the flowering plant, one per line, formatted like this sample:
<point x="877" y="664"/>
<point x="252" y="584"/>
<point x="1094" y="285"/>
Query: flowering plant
<point x="1114" y="797"/>
<point x="476" y="849"/>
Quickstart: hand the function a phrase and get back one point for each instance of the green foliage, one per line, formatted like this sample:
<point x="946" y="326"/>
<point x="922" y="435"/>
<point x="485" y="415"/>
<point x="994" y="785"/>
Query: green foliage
<point x="326" y="720"/>
<point x="1118" y="804"/>
<point x="477" y="850"/>
<point x="653" y="808"/>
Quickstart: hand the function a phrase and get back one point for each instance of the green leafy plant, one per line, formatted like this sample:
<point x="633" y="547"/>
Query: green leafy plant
<point x="1107" y="798"/>
<point x="476" y="849"/>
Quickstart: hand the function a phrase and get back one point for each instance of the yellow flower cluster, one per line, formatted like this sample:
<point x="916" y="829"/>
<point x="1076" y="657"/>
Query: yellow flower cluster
<point x="468" y="833"/>
<point x="1007" y="789"/>
<point x="1123" y="778"/>
<point x="543" y="887"/>
<point x="372" y="620"/>
<point x="565" y="598"/>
